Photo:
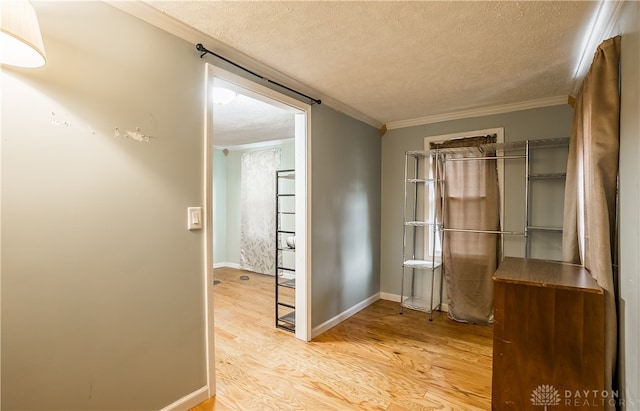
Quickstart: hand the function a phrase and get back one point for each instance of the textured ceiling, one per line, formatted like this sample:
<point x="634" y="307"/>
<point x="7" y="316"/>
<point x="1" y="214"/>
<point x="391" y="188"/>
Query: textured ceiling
<point x="397" y="61"/>
<point x="246" y="120"/>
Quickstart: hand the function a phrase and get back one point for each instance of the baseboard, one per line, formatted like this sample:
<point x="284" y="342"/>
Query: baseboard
<point x="390" y="297"/>
<point x="344" y="315"/>
<point x="230" y="265"/>
<point x="189" y="401"/>
<point x="396" y="298"/>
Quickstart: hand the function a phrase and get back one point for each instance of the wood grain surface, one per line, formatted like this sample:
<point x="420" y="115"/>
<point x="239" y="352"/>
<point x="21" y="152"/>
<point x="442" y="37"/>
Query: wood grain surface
<point x="541" y="273"/>
<point x="548" y="331"/>
<point x="375" y="360"/>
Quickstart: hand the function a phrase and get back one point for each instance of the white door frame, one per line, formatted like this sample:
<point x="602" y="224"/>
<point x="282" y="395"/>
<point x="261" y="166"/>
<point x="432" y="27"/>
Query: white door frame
<point x="302" y="113"/>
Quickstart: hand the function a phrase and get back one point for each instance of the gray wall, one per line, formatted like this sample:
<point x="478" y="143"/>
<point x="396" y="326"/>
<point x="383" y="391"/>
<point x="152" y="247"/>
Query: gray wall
<point x="549" y="122"/>
<point x="345" y="213"/>
<point x="102" y="285"/>
<point x="231" y="218"/>
<point x="102" y="291"/>
<point x="629" y="303"/>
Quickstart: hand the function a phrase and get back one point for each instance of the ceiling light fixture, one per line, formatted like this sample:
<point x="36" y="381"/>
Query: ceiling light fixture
<point x="223" y="95"/>
<point x="20" y="39"/>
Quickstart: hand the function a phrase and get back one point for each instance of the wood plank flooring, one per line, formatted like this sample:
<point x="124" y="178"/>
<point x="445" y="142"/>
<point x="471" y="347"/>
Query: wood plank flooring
<point x="375" y="360"/>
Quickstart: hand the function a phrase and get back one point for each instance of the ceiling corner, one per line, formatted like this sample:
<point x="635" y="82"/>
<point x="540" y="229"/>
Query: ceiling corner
<point x="603" y="26"/>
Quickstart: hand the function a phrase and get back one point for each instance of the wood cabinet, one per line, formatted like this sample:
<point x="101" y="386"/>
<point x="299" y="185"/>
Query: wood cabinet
<point x="548" y="336"/>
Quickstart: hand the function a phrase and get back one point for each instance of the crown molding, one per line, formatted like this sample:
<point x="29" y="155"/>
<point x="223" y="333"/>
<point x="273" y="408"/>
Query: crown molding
<point x="603" y="26"/>
<point x="157" y="18"/>
<point x="479" y="112"/>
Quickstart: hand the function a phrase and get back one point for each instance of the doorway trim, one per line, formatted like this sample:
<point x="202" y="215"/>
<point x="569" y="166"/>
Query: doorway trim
<point x="302" y="155"/>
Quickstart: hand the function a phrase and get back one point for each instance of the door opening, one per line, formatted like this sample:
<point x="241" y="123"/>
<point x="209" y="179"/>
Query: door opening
<point x="300" y="112"/>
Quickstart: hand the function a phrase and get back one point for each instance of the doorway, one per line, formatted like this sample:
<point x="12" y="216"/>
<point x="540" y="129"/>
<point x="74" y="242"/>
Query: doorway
<point x="300" y="113"/>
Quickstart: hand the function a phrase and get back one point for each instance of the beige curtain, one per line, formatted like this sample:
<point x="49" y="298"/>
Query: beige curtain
<point x="471" y="201"/>
<point x="590" y="193"/>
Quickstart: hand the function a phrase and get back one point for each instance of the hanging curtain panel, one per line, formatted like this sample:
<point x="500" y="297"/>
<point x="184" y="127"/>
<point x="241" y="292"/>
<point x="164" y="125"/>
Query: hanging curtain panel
<point x="472" y="202"/>
<point x="257" y="210"/>
<point x="590" y="193"/>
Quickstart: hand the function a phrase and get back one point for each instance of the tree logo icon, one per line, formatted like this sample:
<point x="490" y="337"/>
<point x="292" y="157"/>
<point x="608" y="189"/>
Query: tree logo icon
<point x="545" y="395"/>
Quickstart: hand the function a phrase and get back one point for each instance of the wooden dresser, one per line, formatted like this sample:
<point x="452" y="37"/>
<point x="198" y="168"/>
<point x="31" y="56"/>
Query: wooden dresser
<point x="548" y="336"/>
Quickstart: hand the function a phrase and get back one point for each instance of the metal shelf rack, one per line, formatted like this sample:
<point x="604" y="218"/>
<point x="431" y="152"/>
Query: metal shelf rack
<point x="424" y="184"/>
<point x="285" y="280"/>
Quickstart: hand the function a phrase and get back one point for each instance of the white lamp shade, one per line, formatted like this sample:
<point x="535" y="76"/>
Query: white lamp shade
<point x="20" y="38"/>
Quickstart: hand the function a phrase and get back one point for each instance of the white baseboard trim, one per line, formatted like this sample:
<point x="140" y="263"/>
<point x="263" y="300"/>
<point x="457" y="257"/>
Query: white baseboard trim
<point x="344" y="315"/>
<point x="189" y="401"/>
<point x="396" y="298"/>
<point x="230" y="265"/>
<point x="390" y="297"/>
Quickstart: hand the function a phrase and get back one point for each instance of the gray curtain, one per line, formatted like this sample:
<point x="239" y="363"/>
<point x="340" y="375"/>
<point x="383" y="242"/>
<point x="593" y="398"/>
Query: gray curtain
<point x="590" y="193"/>
<point x="471" y="201"/>
<point x="257" y="210"/>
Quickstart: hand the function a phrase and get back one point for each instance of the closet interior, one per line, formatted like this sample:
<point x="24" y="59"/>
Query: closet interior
<point x="454" y="228"/>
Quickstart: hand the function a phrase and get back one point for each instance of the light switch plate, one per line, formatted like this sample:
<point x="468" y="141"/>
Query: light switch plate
<point x="194" y="218"/>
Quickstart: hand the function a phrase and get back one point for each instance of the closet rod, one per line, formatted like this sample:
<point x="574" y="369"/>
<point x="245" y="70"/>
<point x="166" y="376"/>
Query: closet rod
<point x="462" y="230"/>
<point x="484" y="158"/>
<point x="204" y="51"/>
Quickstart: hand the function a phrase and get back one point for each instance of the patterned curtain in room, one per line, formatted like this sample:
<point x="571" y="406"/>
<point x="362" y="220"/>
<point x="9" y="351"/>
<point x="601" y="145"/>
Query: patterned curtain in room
<point x="257" y="210"/>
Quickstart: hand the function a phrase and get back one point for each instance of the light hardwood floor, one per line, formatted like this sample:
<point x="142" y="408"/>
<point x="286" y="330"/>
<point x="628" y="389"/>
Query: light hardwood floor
<point x="376" y="360"/>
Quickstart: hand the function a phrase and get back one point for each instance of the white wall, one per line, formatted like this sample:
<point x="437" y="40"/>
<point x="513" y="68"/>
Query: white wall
<point x="629" y="272"/>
